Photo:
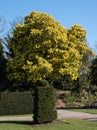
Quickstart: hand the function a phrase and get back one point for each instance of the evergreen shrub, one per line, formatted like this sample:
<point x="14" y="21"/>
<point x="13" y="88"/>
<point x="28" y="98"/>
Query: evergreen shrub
<point x="44" y="105"/>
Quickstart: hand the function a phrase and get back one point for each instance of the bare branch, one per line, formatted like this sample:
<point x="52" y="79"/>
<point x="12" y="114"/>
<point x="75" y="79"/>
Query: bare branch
<point x="18" y="20"/>
<point x="2" y="24"/>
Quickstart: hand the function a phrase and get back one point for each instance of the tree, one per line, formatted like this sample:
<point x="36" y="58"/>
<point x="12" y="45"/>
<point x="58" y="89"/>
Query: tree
<point x="43" y="48"/>
<point x="2" y="67"/>
<point x="6" y="40"/>
<point x="86" y="63"/>
<point x="3" y="79"/>
<point x="94" y="71"/>
<point x="1" y="49"/>
<point x="2" y="25"/>
<point x="84" y="80"/>
<point x="64" y="83"/>
<point x="2" y="59"/>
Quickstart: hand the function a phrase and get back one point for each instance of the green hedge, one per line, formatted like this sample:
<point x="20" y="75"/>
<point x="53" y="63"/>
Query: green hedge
<point x="12" y="103"/>
<point x="44" y="105"/>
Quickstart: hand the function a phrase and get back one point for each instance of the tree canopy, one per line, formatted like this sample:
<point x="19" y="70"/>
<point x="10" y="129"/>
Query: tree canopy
<point x="93" y="72"/>
<point x="42" y="47"/>
<point x="3" y="79"/>
<point x="1" y="49"/>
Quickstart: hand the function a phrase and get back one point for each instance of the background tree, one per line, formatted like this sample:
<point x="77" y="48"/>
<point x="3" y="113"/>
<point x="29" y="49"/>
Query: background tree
<point x="1" y="49"/>
<point x="2" y="59"/>
<point x="2" y="25"/>
<point x="94" y="71"/>
<point x="83" y="82"/>
<point x="7" y="42"/>
<point x="64" y="83"/>
<point x="42" y="48"/>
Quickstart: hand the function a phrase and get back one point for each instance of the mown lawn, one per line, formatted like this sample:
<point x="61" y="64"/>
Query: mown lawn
<point x="90" y="111"/>
<point x="69" y="124"/>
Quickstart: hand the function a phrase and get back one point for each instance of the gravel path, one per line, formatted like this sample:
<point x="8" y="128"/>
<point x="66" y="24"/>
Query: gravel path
<point x="62" y="114"/>
<point x="78" y="115"/>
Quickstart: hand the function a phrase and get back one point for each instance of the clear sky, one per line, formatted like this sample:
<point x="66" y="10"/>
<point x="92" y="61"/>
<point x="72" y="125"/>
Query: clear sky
<point x="67" y="12"/>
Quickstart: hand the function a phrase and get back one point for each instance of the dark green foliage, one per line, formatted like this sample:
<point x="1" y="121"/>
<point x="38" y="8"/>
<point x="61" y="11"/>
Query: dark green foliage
<point x="72" y="100"/>
<point x="44" y="105"/>
<point x="3" y="61"/>
<point x="2" y="67"/>
<point x="42" y="83"/>
<point x="8" y="44"/>
<point x="94" y="72"/>
<point x="20" y="86"/>
<point x="12" y="103"/>
<point x="1" y="48"/>
<point x="82" y="83"/>
<point x="64" y="83"/>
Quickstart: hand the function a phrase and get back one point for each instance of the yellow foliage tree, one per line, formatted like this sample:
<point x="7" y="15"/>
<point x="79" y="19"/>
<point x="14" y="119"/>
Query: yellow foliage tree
<point x="42" y="47"/>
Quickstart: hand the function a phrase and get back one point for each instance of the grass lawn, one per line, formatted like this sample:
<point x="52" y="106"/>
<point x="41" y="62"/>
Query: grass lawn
<point x="69" y="124"/>
<point x="90" y="111"/>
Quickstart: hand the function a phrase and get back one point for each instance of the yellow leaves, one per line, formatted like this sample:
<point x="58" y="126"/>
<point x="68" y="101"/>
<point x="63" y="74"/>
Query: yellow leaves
<point x="71" y="70"/>
<point x="47" y="43"/>
<point x="76" y="32"/>
<point x="40" y="70"/>
<point x="44" y="64"/>
<point x="28" y="65"/>
<point x="35" y="32"/>
<point x="20" y="25"/>
<point x="50" y="46"/>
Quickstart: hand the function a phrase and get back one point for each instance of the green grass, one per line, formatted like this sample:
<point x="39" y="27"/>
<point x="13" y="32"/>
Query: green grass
<point x="90" y="111"/>
<point x="69" y="124"/>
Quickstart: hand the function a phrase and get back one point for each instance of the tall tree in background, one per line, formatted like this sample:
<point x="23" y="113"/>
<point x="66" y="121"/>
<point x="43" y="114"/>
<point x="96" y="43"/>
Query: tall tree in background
<point x="7" y="42"/>
<point x="1" y="49"/>
<point x="1" y="42"/>
<point x="2" y="61"/>
<point x="84" y="80"/>
<point x="43" y="48"/>
<point x="93" y="67"/>
<point x="2" y="25"/>
<point x="2" y="58"/>
<point x="94" y="71"/>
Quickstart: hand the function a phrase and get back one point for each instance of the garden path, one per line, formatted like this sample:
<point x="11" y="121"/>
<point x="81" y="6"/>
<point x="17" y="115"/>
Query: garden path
<point x="62" y="114"/>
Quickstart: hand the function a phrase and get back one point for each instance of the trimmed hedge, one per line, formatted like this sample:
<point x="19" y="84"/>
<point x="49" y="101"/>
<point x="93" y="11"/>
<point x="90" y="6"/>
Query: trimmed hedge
<point x="15" y="103"/>
<point x="44" y="105"/>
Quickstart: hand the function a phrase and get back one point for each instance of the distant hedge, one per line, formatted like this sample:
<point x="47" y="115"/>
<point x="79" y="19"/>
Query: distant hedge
<point x="12" y="103"/>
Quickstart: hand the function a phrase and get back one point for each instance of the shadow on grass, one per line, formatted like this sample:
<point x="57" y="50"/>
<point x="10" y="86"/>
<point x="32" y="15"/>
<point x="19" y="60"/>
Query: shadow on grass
<point x="91" y="119"/>
<point x="68" y="108"/>
<point x="32" y="124"/>
<point x="18" y="122"/>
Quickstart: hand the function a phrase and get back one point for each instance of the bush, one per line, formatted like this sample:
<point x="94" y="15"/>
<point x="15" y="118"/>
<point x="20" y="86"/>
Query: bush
<point x="72" y="100"/>
<point x="12" y="103"/>
<point x="44" y="105"/>
<point x="61" y="94"/>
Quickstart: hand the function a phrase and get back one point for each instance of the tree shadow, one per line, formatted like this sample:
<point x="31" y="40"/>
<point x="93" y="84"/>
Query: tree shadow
<point x="33" y="124"/>
<point x="68" y="108"/>
<point x="18" y="122"/>
<point x="91" y="119"/>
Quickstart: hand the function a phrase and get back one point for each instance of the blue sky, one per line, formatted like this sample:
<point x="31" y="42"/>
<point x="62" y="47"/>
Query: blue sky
<point x="67" y="12"/>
